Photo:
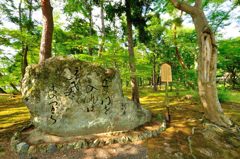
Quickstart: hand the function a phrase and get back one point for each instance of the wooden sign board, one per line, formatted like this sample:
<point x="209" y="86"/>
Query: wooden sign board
<point x="166" y="73"/>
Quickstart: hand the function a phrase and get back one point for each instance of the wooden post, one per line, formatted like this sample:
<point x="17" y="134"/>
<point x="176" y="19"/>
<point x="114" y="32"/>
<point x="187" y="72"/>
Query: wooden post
<point x="166" y="94"/>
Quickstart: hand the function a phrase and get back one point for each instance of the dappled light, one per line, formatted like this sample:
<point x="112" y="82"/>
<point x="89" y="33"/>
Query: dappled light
<point x="134" y="79"/>
<point x="186" y="119"/>
<point x="13" y="113"/>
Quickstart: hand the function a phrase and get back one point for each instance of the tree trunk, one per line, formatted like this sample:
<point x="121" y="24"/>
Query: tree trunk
<point x="26" y="47"/>
<point x="23" y="51"/>
<point x="24" y="60"/>
<point x="2" y="91"/>
<point x="47" y="32"/>
<point x="140" y="82"/>
<point x="207" y="63"/>
<point x="134" y="84"/>
<point x="14" y="87"/>
<point x="101" y="47"/>
<point x="90" y="49"/>
<point x="154" y="74"/>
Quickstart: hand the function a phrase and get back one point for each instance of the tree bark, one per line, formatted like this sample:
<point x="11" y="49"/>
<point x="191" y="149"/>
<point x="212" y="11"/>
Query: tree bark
<point x="24" y="60"/>
<point x="47" y="32"/>
<point x="134" y="84"/>
<point x="2" y="91"/>
<point x="154" y="74"/>
<point x="207" y="63"/>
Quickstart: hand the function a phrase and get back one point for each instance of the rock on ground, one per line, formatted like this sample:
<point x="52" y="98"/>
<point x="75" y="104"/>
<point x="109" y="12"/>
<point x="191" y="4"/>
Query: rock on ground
<point x="66" y="97"/>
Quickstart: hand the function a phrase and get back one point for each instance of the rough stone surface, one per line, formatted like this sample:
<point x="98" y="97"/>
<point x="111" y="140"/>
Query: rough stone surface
<point x="22" y="147"/>
<point x="52" y="148"/>
<point x="69" y="97"/>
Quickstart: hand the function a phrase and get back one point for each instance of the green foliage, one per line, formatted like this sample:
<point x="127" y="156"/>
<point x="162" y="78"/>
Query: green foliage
<point x="10" y="66"/>
<point x="228" y="59"/>
<point x="228" y="95"/>
<point x="73" y="6"/>
<point x="75" y="40"/>
<point x="154" y="41"/>
<point x="223" y="95"/>
<point x="229" y="54"/>
<point x="27" y="35"/>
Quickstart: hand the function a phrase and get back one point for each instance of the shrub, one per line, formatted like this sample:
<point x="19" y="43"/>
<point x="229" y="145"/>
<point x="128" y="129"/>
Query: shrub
<point x="223" y="95"/>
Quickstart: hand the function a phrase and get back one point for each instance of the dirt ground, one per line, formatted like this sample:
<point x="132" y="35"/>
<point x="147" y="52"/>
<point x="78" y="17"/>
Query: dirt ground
<point x="187" y="136"/>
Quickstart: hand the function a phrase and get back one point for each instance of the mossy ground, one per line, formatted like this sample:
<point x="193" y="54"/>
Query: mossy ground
<point x="186" y="117"/>
<point x="13" y="113"/>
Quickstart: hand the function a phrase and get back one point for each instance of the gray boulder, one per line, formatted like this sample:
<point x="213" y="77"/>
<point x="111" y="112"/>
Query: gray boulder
<point x="68" y="97"/>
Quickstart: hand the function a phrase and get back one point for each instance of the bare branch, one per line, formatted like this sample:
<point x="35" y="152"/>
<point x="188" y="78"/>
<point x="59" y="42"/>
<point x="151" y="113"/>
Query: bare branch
<point x="183" y="6"/>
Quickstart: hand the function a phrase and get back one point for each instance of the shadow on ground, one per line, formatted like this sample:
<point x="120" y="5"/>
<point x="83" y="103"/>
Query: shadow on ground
<point x="186" y="135"/>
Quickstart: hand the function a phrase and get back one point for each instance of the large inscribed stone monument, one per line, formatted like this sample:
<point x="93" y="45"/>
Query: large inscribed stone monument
<point x="68" y="97"/>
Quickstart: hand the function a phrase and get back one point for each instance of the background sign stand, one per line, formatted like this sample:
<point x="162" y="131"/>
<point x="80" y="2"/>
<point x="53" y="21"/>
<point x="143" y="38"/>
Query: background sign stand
<point x="166" y="76"/>
<point x="168" y="117"/>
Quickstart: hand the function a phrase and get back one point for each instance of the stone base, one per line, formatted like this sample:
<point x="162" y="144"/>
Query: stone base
<point x="33" y="141"/>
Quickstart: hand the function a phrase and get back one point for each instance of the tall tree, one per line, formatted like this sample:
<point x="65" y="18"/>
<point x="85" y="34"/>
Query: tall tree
<point x="29" y="27"/>
<point x="207" y="60"/>
<point x="89" y="7"/>
<point x="47" y="32"/>
<point x="101" y="47"/>
<point x="20" y="14"/>
<point x="177" y="21"/>
<point x="156" y="30"/>
<point x="134" y="84"/>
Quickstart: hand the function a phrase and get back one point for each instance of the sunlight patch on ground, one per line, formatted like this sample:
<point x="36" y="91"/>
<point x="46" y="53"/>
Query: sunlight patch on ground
<point x="12" y="112"/>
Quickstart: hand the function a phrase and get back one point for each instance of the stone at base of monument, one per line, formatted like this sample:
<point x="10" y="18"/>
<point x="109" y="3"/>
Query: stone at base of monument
<point x="68" y="97"/>
<point x="40" y="142"/>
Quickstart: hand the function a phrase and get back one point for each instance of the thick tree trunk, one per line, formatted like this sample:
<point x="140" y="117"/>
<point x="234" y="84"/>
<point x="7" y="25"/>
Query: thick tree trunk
<point x="47" y="32"/>
<point x="101" y="47"/>
<point x="134" y="84"/>
<point x="207" y="65"/>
